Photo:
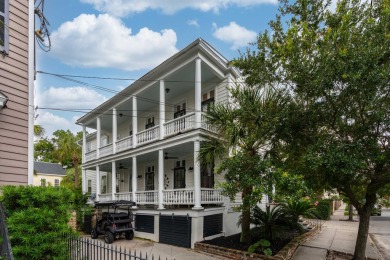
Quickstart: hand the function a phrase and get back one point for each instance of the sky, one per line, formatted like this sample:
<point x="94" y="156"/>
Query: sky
<point x="125" y="39"/>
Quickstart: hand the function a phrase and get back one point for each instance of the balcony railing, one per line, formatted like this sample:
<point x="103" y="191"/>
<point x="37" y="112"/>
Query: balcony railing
<point x="105" y="150"/>
<point x="148" y="135"/>
<point x="91" y="155"/>
<point x="211" y="196"/>
<point x="180" y="124"/>
<point x="124" y="144"/>
<point x="178" y="197"/>
<point x="124" y="196"/>
<point x="172" y="127"/>
<point x="205" y="124"/>
<point x="105" y="197"/>
<point x="147" y="197"/>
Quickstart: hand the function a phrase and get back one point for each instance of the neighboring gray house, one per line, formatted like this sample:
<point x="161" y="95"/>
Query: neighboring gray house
<point x="48" y="174"/>
<point x="16" y="91"/>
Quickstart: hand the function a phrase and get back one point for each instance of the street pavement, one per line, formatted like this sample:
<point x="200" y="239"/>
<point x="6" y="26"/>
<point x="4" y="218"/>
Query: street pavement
<point x="337" y="235"/>
<point x="380" y="232"/>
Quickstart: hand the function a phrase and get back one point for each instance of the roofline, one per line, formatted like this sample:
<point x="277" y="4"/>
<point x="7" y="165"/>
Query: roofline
<point x="198" y="42"/>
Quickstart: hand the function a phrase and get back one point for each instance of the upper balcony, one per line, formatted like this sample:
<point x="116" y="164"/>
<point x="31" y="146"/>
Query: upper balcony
<point x="167" y="101"/>
<point x="179" y="125"/>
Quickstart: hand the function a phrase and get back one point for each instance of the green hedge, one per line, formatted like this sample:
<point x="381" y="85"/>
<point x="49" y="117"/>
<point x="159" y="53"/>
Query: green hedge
<point x="37" y="220"/>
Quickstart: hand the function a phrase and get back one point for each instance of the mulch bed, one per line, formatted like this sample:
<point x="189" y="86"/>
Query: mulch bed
<point x="233" y="242"/>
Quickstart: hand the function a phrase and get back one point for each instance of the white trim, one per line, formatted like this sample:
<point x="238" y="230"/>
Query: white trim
<point x="5" y="47"/>
<point x="31" y="78"/>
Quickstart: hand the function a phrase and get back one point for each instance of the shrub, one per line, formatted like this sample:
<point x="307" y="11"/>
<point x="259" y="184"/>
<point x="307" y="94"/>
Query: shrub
<point x="37" y="220"/>
<point x="323" y="209"/>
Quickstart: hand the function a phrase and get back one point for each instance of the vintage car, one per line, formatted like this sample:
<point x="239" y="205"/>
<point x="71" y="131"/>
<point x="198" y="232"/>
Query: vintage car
<point x="113" y="219"/>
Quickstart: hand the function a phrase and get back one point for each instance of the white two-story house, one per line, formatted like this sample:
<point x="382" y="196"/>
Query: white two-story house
<point x="145" y="148"/>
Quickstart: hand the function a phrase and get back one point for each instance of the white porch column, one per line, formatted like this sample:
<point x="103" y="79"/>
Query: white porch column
<point x="113" y="179"/>
<point x="134" y="179"/>
<point x="197" y="194"/>
<point x="97" y="182"/>
<point x="160" y="178"/>
<point x="198" y="93"/>
<point x="84" y="149"/>
<point x="162" y="109"/>
<point x="135" y="126"/>
<point x="98" y="133"/>
<point x="114" y="130"/>
<point x="84" y="181"/>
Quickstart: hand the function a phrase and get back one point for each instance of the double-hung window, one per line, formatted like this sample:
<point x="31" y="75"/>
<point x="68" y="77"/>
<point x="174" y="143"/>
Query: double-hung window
<point x="4" y="29"/>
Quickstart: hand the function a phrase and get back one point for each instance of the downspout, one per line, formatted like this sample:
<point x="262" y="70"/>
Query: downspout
<point x="31" y="78"/>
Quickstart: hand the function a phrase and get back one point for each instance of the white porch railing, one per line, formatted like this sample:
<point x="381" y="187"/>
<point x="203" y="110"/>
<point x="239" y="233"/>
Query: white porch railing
<point x="124" y="144"/>
<point x="180" y="124"/>
<point x="178" y="196"/>
<point x="105" y="197"/>
<point x="105" y="150"/>
<point x="211" y="196"/>
<point x="147" y="197"/>
<point x="124" y="196"/>
<point x="91" y="155"/>
<point x="148" y="135"/>
<point x="205" y="125"/>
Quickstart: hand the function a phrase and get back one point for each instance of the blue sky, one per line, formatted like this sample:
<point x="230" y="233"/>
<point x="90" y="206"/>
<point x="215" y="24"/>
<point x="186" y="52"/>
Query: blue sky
<point x="127" y="38"/>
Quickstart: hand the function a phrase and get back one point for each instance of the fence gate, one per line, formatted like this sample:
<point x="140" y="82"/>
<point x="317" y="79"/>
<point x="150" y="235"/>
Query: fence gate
<point x="175" y="230"/>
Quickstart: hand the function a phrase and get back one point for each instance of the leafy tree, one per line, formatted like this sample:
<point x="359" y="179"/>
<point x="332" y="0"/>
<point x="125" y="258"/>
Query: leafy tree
<point x="336" y="66"/>
<point x="44" y="151"/>
<point x="67" y="151"/>
<point x="245" y="127"/>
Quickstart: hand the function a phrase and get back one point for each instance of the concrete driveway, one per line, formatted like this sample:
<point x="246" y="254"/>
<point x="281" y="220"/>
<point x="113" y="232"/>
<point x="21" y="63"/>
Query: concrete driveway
<point x="158" y="250"/>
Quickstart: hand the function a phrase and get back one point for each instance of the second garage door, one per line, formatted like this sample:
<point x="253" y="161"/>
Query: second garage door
<point x="175" y="230"/>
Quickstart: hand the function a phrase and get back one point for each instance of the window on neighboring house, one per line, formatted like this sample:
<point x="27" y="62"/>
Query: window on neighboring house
<point x="207" y="99"/>
<point x="180" y="109"/>
<point x="43" y="182"/>
<point x="56" y="182"/>
<point x="149" y="123"/>
<point x="4" y="29"/>
<point x="89" y="146"/>
<point x="89" y="186"/>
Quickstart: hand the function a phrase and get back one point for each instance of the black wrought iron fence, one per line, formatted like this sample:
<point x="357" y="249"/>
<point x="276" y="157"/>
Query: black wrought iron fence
<point x="82" y="248"/>
<point x="5" y="244"/>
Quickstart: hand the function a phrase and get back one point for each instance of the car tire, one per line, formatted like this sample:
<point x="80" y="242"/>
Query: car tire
<point x="108" y="237"/>
<point x="129" y="235"/>
<point x="94" y="233"/>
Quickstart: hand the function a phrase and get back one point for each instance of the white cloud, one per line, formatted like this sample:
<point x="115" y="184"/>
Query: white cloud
<point x="104" y="41"/>
<point x="193" y="23"/>
<point x="70" y="98"/>
<point x="234" y="34"/>
<point x="51" y="123"/>
<point x="125" y="7"/>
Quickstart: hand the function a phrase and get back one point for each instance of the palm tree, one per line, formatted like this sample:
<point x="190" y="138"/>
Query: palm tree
<point x="68" y="149"/>
<point x="39" y="131"/>
<point x="246" y="128"/>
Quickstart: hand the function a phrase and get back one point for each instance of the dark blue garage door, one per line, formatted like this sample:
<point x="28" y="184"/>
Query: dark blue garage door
<point x="175" y="230"/>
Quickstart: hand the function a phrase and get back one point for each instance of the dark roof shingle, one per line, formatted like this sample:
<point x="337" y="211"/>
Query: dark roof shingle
<point x="49" y="168"/>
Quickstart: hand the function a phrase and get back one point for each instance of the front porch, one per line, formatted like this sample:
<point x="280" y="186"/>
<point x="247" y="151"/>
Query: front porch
<point x="170" y="197"/>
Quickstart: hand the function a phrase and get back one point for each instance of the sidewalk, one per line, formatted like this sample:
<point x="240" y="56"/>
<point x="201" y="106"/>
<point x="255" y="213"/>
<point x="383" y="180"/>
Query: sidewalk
<point x="335" y="235"/>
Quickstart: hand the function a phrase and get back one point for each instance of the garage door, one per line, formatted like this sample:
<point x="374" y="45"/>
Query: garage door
<point x="175" y="230"/>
